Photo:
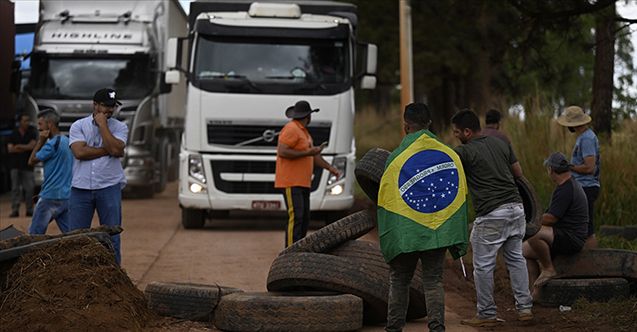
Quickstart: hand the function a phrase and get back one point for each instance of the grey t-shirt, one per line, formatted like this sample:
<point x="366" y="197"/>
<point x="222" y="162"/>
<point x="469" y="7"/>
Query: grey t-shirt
<point x="570" y="206"/>
<point x="487" y="164"/>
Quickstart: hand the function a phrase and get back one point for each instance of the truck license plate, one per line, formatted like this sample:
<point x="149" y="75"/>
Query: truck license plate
<point x="266" y="205"/>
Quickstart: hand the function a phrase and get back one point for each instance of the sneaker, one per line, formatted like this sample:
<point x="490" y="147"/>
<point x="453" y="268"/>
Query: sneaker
<point x="14" y="214"/>
<point x="525" y="315"/>
<point x="482" y="322"/>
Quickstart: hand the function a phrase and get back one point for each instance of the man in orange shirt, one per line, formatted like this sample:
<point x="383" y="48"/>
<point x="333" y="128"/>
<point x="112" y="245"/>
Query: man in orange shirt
<point x="295" y="161"/>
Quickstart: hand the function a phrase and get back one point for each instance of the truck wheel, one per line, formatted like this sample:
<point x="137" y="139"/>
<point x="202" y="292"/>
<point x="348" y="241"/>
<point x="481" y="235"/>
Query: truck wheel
<point x="321" y="272"/>
<point x="369" y="253"/>
<point x="567" y="291"/>
<point x="369" y="170"/>
<point x="330" y="236"/>
<point x="192" y="218"/>
<point x="532" y="208"/>
<point x="185" y="300"/>
<point x="298" y="311"/>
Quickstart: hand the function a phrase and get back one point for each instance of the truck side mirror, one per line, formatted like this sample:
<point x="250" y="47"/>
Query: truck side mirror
<point x="172" y="77"/>
<point x="171" y="53"/>
<point x="368" y="82"/>
<point x="368" y="77"/>
<point x="165" y="87"/>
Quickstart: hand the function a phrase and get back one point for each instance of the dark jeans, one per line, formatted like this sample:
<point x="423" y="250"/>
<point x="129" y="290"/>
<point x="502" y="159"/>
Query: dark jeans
<point x="107" y="202"/>
<point x="47" y="210"/>
<point x="591" y="196"/>
<point x="297" y="201"/>
<point x="401" y="272"/>
<point x="22" y="179"/>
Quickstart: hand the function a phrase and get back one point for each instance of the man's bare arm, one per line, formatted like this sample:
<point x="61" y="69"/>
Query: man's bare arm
<point x="588" y="167"/>
<point x="17" y="148"/>
<point x="322" y="163"/>
<point x="516" y="169"/>
<point x="548" y="219"/>
<point x="82" y="151"/>
<point x="283" y="150"/>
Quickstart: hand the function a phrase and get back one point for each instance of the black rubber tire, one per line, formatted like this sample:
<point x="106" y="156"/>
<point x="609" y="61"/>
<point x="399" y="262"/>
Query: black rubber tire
<point x="566" y="291"/>
<point x="192" y="218"/>
<point x="185" y="300"/>
<point x="322" y="272"/>
<point x="598" y="263"/>
<point x="607" y="230"/>
<point x="630" y="232"/>
<point x="532" y="207"/>
<point x="370" y="254"/>
<point x="334" y="234"/>
<point x="369" y="170"/>
<point x="289" y="312"/>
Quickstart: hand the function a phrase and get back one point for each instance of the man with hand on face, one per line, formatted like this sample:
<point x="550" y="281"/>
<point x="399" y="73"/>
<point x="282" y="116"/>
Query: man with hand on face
<point x="52" y="148"/>
<point x="295" y="160"/>
<point x="97" y="142"/>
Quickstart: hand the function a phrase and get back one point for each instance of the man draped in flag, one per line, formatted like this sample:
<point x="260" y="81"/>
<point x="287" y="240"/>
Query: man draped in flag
<point x="422" y="213"/>
<point x="491" y="167"/>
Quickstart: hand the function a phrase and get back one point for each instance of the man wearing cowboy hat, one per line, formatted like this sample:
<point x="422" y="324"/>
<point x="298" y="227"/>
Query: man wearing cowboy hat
<point x="584" y="159"/>
<point x="295" y="161"/>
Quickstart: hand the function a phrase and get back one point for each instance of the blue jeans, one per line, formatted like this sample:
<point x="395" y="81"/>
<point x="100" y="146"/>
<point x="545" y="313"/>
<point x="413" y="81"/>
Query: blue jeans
<point x="47" y="210"/>
<point x="400" y="274"/>
<point x="503" y="228"/>
<point x="107" y="202"/>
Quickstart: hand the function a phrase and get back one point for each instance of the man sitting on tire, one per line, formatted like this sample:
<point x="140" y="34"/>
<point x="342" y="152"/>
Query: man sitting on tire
<point x="564" y="225"/>
<point x="422" y="212"/>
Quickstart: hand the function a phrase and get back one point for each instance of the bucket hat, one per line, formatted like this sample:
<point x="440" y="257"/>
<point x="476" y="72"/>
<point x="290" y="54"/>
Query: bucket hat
<point x="573" y="116"/>
<point x="300" y="110"/>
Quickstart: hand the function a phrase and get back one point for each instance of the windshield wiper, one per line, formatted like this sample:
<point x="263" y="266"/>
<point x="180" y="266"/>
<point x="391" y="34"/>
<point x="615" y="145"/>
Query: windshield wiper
<point x="312" y="87"/>
<point x="283" y="77"/>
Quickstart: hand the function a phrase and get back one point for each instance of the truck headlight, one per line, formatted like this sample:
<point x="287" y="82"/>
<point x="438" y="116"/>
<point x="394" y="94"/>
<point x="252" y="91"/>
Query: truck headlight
<point x="195" y="168"/>
<point x="340" y="163"/>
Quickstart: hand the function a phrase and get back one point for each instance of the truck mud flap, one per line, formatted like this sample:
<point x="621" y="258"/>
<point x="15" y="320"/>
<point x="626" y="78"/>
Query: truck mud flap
<point x="369" y="170"/>
<point x="289" y="312"/>
<point x="369" y="253"/>
<point x="322" y="272"/>
<point x="598" y="263"/>
<point x="331" y="236"/>
<point x="186" y="300"/>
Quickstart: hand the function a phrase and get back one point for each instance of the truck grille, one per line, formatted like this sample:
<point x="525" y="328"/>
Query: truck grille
<point x="250" y="187"/>
<point x="258" y="135"/>
<point x="67" y="119"/>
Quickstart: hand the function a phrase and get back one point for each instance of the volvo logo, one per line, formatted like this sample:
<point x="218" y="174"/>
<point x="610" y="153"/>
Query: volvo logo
<point x="269" y="135"/>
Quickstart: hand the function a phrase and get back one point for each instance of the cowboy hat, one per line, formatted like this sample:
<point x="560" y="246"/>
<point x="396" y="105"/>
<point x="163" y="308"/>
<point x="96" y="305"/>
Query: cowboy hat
<point x="300" y="110"/>
<point x="573" y="116"/>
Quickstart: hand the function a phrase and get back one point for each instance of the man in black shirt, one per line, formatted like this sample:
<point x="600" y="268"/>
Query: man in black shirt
<point x="19" y="146"/>
<point x="564" y="225"/>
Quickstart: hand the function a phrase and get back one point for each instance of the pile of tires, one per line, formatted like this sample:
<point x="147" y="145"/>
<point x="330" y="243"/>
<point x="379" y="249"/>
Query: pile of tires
<point x="626" y="232"/>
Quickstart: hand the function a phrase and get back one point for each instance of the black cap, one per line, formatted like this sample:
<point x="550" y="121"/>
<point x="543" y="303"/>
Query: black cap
<point x="107" y="97"/>
<point x="557" y="161"/>
<point x="300" y="110"/>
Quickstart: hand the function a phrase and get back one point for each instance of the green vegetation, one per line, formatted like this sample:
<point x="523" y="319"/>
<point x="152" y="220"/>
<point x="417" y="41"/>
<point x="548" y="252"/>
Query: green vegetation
<point x="617" y="243"/>
<point x="534" y="138"/>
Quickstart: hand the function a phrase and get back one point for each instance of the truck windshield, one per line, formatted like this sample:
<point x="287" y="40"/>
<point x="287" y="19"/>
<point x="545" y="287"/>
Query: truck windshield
<point x="80" y="77"/>
<point x="273" y="66"/>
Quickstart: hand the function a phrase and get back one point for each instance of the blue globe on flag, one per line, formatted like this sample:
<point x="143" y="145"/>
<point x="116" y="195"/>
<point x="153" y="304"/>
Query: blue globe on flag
<point x="428" y="181"/>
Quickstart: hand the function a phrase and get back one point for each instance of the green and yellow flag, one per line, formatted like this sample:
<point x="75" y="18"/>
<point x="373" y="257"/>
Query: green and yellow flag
<point x="422" y="198"/>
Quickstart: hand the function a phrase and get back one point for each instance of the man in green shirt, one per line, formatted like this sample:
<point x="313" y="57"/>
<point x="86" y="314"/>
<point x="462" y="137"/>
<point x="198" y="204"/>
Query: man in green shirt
<point x="490" y="167"/>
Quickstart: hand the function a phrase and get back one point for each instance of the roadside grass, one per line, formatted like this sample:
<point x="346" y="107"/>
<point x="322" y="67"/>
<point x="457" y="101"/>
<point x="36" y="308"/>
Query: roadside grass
<point x="622" y="314"/>
<point x="616" y="242"/>
<point x="533" y="139"/>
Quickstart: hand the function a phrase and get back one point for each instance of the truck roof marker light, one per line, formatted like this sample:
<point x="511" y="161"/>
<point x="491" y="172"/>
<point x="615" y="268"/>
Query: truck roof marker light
<point x="282" y="10"/>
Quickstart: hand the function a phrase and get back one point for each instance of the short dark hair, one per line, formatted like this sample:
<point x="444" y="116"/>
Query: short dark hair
<point x="493" y="116"/>
<point x="466" y="119"/>
<point x="50" y="115"/>
<point x="418" y="114"/>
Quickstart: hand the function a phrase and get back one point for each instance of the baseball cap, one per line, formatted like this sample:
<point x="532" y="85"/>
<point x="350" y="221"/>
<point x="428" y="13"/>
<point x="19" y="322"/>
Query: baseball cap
<point x="107" y="97"/>
<point x="557" y="161"/>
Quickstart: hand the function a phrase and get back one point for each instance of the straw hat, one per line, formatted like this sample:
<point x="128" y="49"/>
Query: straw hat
<point x="573" y="116"/>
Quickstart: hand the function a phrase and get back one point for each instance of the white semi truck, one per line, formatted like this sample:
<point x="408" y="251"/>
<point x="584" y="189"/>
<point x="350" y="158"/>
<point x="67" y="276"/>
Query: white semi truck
<point x="83" y="46"/>
<point x="247" y="63"/>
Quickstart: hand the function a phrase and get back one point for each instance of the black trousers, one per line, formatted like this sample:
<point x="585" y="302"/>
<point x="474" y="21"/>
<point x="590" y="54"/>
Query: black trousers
<point x="297" y="201"/>
<point x="591" y="196"/>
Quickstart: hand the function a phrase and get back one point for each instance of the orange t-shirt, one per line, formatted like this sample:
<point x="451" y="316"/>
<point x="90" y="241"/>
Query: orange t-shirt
<point x="294" y="172"/>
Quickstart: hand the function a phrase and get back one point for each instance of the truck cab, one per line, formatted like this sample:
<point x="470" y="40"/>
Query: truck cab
<point x="248" y="63"/>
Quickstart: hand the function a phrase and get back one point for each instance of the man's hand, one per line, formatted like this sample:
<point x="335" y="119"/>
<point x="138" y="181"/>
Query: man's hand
<point x="44" y="135"/>
<point x="100" y="119"/>
<point x="334" y="171"/>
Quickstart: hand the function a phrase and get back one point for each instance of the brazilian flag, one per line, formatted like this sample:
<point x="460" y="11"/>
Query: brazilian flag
<point x="422" y="198"/>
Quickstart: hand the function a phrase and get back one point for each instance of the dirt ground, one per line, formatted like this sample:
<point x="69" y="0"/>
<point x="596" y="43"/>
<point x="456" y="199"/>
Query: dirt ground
<point x="238" y="251"/>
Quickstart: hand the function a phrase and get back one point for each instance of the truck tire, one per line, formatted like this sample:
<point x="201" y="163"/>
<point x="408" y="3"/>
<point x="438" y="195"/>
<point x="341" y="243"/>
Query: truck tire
<point x="185" y="300"/>
<point x="322" y="272"/>
<point x="532" y="207"/>
<point x="192" y="218"/>
<point x="369" y="253"/>
<point x="369" y="170"/>
<point x="608" y="230"/>
<point x="630" y="232"/>
<point x="289" y="312"/>
<point x="566" y="291"/>
<point x="598" y="263"/>
<point x="332" y="235"/>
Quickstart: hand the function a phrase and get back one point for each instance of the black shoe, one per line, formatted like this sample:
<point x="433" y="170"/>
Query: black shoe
<point x="29" y="213"/>
<point x="14" y="214"/>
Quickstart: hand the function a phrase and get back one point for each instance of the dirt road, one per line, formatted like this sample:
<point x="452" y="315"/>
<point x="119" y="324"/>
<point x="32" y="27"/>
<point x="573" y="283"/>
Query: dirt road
<point x="234" y="252"/>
